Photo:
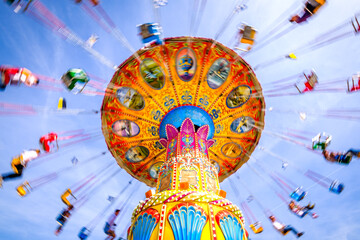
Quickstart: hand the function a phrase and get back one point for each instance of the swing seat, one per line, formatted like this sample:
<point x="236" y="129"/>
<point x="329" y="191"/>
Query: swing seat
<point x="150" y="32"/>
<point x="61" y="103"/>
<point x="48" y="142"/>
<point x="321" y="141"/>
<point x="353" y="84"/>
<point x="84" y="233"/>
<point x="66" y="195"/>
<point x="75" y="80"/>
<point x="60" y="219"/>
<point x="23" y="189"/>
<point x="256" y="227"/>
<point x="321" y="3"/>
<point x="248" y="35"/>
<point x="311" y="81"/>
<point x="336" y="187"/>
<point x="298" y="194"/>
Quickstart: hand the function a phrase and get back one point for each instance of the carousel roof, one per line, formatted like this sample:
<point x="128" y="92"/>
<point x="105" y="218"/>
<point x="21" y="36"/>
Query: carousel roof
<point x="185" y="77"/>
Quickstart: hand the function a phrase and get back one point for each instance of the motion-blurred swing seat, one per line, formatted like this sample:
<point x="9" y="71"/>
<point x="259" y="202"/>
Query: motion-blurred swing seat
<point x="298" y="194"/>
<point x="321" y="141"/>
<point x="84" y="233"/>
<point x="247" y="36"/>
<point x="353" y="84"/>
<point x="66" y="195"/>
<point x="75" y="80"/>
<point x="150" y="32"/>
<point x="336" y="187"/>
<point x="317" y="4"/>
<point x="256" y="227"/>
<point x="24" y="189"/>
<point x="49" y="142"/>
<point x="311" y="81"/>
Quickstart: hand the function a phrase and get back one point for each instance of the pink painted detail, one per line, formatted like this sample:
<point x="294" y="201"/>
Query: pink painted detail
<point x="187" y="126"/>
<point x="171" y="132"/>
<point x="163" y="142"/>
<point x="226" y="204"/>
<point x="203" y="131"/>
<point x="210" y="142"/>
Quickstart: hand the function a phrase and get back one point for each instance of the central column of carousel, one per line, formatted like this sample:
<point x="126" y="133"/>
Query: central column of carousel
<point x="188" y="203"/>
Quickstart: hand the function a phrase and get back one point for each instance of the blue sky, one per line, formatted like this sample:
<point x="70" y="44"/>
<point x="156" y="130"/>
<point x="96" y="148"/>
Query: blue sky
<point x="26" y="43"/>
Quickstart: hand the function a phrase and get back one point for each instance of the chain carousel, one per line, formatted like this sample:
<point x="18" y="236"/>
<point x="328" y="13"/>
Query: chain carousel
<point x="181" y="117"/>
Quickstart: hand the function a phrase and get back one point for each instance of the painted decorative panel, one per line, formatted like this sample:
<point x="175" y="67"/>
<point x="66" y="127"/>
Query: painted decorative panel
<point x="145" y="224"/>
<point x="125" y="128"/>
<point x="137" y="154"/>
<point x="218" y="73"/>
<point x="130" y="98"/>
<point x="238" y="96"/>
<point x="186" y="64"/>
<point x="152" y="73"/>
<point x="187" y="221"/>
<point x="242" y="125"/>
<point x="230" y="226"/>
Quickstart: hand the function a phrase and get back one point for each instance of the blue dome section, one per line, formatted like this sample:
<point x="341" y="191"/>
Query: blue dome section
<point x="197" y="115"/>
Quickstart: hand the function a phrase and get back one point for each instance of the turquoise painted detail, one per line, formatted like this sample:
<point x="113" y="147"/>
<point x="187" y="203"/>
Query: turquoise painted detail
<point x="177" y="115"/>
<point x="144" y="226"/>
<point x="187" y="222"/>
<point x="231" y="228"/>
